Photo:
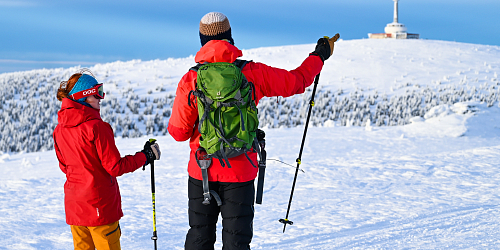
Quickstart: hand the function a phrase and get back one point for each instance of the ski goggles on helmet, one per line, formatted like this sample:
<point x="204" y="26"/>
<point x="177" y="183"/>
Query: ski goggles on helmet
<point x="97" y="91"/>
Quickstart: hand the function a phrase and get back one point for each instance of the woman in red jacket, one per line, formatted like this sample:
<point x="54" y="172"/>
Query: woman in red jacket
<point x="87" y="154"/>
<point x="234" y="185"/>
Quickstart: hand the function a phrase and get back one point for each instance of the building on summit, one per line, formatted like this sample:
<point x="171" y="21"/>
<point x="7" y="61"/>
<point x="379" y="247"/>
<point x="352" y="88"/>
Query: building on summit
<point x="394" y="30"/>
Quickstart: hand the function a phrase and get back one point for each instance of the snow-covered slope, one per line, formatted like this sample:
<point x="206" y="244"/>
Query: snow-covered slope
<point x="383" y="82"/>
<point x="432" y="183"/>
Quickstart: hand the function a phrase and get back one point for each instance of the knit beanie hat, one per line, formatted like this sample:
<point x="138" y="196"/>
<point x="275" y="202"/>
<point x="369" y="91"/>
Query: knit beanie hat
<point x="84" y="82"/>
<point x="215" y="26"/>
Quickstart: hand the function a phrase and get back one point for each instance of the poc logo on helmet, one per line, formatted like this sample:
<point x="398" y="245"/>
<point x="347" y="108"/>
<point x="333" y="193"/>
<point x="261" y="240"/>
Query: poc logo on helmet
<point x="88" y="92"/>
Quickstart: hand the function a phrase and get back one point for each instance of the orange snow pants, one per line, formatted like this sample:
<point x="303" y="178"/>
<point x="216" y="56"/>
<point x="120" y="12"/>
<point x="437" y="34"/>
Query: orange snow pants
<point x="106" y="237"/>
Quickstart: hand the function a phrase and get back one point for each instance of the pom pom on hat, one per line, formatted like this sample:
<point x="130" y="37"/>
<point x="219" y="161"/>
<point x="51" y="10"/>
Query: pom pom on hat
<point x="84" y="82"/>
<point x="215" y="26"/>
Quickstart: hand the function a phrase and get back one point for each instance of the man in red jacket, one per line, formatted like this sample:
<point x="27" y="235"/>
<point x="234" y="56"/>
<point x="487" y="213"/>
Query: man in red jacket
<point x="234" y="185"/>
<point x="87" y="154"/>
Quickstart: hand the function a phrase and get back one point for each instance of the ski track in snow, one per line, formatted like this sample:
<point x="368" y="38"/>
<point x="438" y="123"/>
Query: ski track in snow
<point x="432" y="184"/>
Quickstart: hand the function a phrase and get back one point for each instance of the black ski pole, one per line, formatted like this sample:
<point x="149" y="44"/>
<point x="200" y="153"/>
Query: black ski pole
<point x="311" y="104"/>
<point x="155" y="236"/>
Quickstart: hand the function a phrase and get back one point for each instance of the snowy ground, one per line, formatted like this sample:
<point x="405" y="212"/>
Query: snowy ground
<point x="432" y="184"/>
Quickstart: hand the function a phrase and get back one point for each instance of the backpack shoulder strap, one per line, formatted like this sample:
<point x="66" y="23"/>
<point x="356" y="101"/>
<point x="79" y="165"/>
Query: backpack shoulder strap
<point x="197" y="67"/>
<point x="240" y="63"/>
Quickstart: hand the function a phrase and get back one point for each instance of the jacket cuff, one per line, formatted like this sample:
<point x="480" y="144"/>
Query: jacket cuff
<point x="179" y="134"/>
<point x="316" y="54"/>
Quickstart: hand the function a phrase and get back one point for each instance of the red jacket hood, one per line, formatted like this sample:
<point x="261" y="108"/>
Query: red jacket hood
<point x="217" y="51"/>
<point x="73" y="113"/>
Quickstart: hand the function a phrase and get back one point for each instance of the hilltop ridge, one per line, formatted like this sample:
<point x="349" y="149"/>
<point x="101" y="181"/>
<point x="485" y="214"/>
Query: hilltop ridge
<point x="374" y="82"/>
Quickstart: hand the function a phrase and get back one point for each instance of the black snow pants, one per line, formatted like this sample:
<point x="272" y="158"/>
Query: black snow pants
<point x="237" y="213"/>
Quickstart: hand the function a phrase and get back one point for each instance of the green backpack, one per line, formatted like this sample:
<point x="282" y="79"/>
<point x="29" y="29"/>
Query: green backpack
<point x="227" y="112"/>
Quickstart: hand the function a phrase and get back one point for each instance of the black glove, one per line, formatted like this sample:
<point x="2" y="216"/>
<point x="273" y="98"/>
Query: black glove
<point x="325" y="46"/>
<point x="152" y="151"/>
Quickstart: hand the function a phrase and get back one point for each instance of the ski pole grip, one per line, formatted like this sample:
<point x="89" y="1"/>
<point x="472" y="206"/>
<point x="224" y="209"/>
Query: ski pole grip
<point x="151" y="141"/>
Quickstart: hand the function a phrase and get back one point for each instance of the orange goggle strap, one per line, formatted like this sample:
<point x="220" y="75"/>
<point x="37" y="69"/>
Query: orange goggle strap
<point x="97" y="90"/>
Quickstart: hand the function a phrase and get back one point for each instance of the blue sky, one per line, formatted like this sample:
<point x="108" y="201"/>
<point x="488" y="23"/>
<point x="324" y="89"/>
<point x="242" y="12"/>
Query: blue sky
<point x="65" y="33"/>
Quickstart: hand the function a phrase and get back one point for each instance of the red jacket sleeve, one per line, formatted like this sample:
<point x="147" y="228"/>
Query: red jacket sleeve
<point x="270" y="81"/>
<point x="60" y="158"/>
<point x="181" y="123"/>
<point x="109" y="155"/>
